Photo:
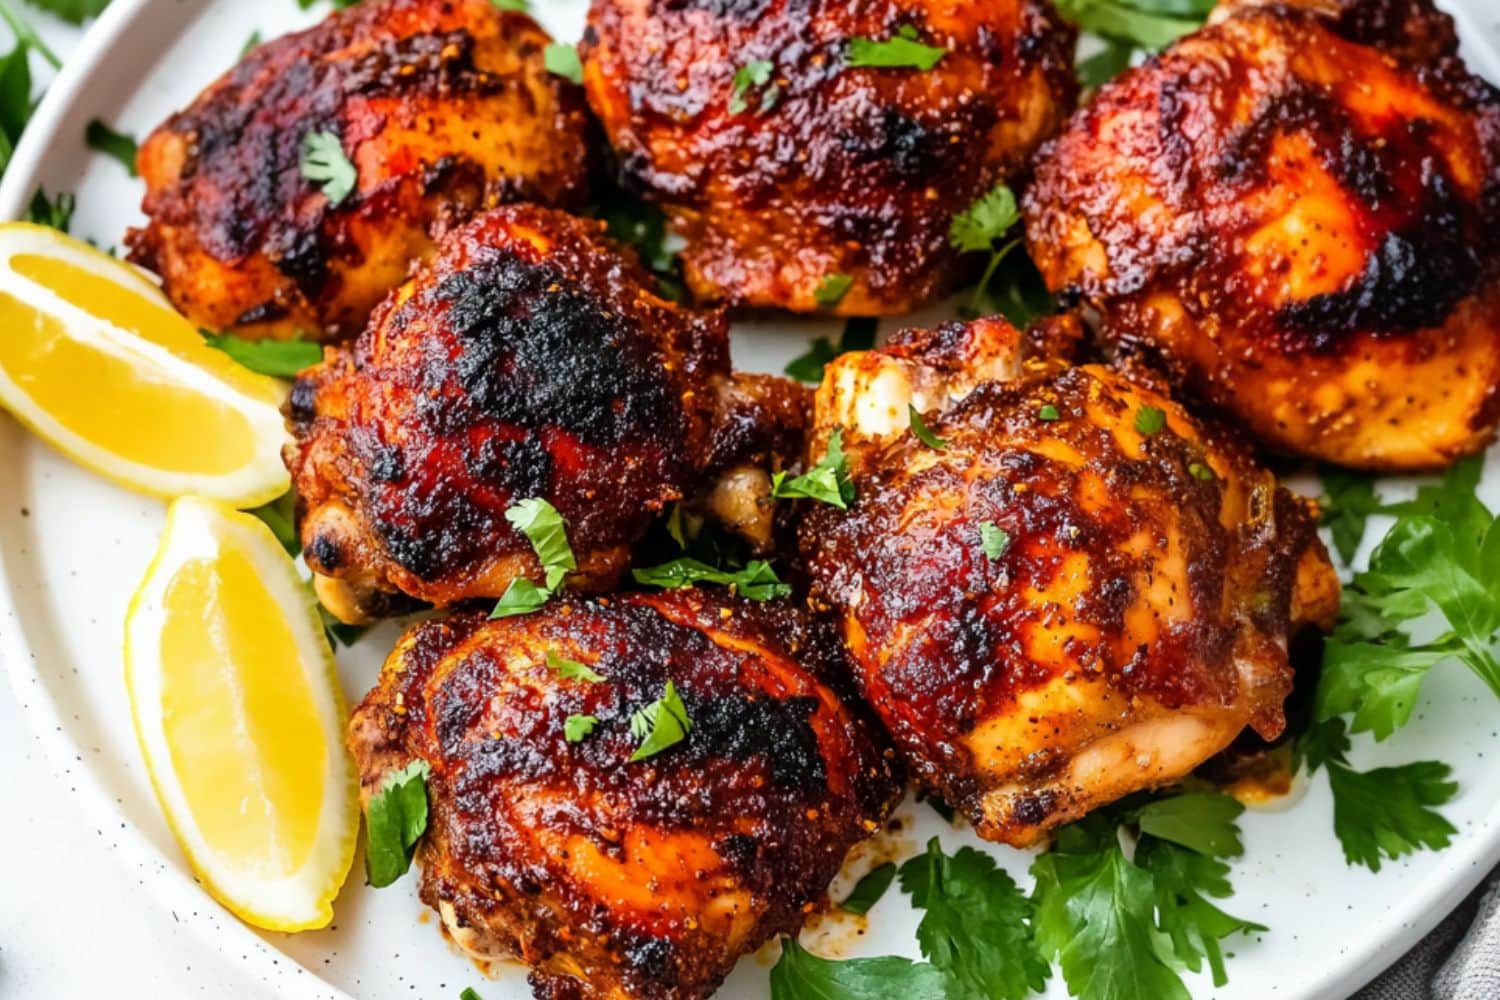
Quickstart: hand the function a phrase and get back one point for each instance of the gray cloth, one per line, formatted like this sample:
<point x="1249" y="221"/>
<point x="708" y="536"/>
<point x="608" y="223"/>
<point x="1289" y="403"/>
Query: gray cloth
<point x="1459" y="960"/>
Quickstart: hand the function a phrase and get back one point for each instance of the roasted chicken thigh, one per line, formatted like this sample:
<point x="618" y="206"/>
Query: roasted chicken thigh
<point x="1082" y="593"/>
<point x="298" y="188"/>
<point x="614" y="871"/>
<point x="1296" y="211"/>
<point x="530" y="359"/>
<point x="814" y="153"/>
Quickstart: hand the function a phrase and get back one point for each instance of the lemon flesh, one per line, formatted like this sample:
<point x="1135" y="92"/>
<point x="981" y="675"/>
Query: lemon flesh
<point x="94" y="359"/>
<point x="240" y="718"/>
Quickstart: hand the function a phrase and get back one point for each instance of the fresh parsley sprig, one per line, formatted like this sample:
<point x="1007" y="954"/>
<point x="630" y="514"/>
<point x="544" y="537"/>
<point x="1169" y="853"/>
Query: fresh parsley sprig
<point x="116" y="145"/>
<point x="984" y="227"/>
<point x="662" y="724"/>
<point x="1146" y="24"/>
<point x="280" y="358"/>
<point x="395" y="819"/>
<point x="324" y="162"/>
<point x="756" y="581"/>
<point x="545" y="529"/>
<point x="867" y="892"/>
<point x="828" y="481"/>
<point x="902" y="50"/>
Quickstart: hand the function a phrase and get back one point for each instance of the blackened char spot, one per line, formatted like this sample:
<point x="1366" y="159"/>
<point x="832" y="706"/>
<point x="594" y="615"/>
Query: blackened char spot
<point x="536" y="354"/>
<point x="747" y="729"/>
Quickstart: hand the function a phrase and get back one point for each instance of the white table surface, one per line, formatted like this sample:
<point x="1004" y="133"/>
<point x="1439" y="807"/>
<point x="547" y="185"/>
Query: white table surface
<point x="74" y="921"/>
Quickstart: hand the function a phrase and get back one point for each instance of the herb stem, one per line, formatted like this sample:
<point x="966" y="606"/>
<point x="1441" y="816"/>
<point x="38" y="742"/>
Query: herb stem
<point x="26" y="35"/>
<point x="976" y="302"/>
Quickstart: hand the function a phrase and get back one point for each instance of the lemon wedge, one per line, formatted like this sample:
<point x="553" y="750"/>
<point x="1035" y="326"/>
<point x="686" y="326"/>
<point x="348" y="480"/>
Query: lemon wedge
<point x="96" y="361"/>
<point x="240" y="718"/>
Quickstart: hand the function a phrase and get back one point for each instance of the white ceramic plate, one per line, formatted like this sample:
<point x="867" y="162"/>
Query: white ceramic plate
<point x="73" y="547"/>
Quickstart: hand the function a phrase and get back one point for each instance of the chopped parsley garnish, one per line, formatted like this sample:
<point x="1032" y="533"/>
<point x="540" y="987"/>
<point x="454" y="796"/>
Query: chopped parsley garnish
<point x="1199" y="470"/>
<point x="643" y="226"/>
<point x="757" y="581"/>
<point x="832" y="289"/>
<point x="662" y="724"/>
<point x="827" y="482"/>
<point x="326" y="165"/>
<point x="576" y="727"/>
<point x="255" y="39"/>
<point x="867" y="892"/>
<point x="395" y="819"/>
<point x="922" y="432"/>
<point x="858" y="335"/>
<point x="543" y="527"/>
<point x="977" y="925"/>
<point x="515" y="6"/>
<point x="280" y="516"/>
<point x="1383" y="813"/>
<point x="994" y="539"/>
<point x="120" y="147"/>
<point x="572" y="670"/>
<point x="903" y="50"/>
<point x="469" y="993"/>
<point x="1146" y="24"/>
<point x="562" y="59"/>
<point x="281" y="358"/>
<point x="1048" y="412"/>
<point x="1150" y="419"/>
<point x="751" y="76"/>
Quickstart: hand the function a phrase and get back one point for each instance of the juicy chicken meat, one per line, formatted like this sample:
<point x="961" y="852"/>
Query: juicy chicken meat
<point x="442" y="107"/>
<point x="1067" y="602"/>
<point x="1296" y="211"/>
<point x="782" y="162"/>
<point x="531" y="358"/>
<point x="613" y="877"/>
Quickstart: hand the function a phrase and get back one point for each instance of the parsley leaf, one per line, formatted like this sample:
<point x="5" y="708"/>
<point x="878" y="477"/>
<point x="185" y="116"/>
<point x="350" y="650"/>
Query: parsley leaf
<point x="469" y="993"/>
<point x="757" y="581"/>
<point x="1386" y="812"/>
<point x="976" y="229"/>
<point x="663" y="723"/>
<point x="515" y="6"/>
<point x="103" y="139"/>
<point x="55" y="212"/>
<point x="280" y="516"/>
<point x="756" y="73"/>
<point x="395" y="819"/>
<point x="921" y="432"/>
<point x="562" y="59"/>
<point x="572" y="670"/>
<point x="72" y="11"/>
<point x="576" y="727"/>
<point x="326" y="165"/>
<point x="1150" y="419"/>
<point x="976" y="924"/>
<point x="858" y="335"/>
<point x="801" y="975"/>
<point x="832" y="289"/>
<point x="901" y="51"/>
<point x="543" y="526"/>
<point x="26" y="37"/>
<point x="869" y="889"/>
<point x="1147" y="24"/>
<point x="521" y="597"/>
<point x="1202" y="472"/>
<point x="1199" y="821"/>
<point x="1048" y="412"/>
<point x="1105" y="64"/>
<point x="1184" y="880"/>
<point x="828" y="481"/>
<point x="1348" y="501"/>
<point x="994" y="539"/>
<point x="281" y="358"/>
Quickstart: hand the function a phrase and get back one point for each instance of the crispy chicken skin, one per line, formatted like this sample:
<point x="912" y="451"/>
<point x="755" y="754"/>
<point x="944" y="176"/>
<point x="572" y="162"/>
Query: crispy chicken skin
<point x="827" y="169"/>
<point x="613" y="878"/>
<point x="530" y="358"/>
<point x="1136" y="617"/>
<point x="443" y="106"/>
<point x="1299" y="223"/>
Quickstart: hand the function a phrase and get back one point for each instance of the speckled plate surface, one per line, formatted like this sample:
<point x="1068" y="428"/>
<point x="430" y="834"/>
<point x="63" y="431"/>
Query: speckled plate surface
<point x="73" y="547"/>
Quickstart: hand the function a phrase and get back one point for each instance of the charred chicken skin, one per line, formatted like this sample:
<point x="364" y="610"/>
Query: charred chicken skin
<point x="616" y="877"/>
<point x="440" y="107"/>
<point x="784" y="161"/>
<point x="1296" y="211"/>
<point x="530" y="359"/>
<point x="1082" y="594"/>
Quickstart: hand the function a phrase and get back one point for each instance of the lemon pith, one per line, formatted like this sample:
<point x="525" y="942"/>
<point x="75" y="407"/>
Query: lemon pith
<point x="240" y="718"/>
<point x="94" y="360"/>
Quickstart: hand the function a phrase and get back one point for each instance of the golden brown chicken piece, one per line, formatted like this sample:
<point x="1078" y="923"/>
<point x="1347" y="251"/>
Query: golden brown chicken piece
<point x="530" y="359"/>
<point x="783" y="158"/>
<point x="1300" y="225"/>
<point x="616" y="877"/>
<point x="442" y="107"/>
<point x="1083" y="593"/>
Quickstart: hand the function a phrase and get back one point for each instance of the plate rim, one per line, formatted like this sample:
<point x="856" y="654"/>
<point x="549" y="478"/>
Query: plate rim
<point x="1463" y="866"/>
